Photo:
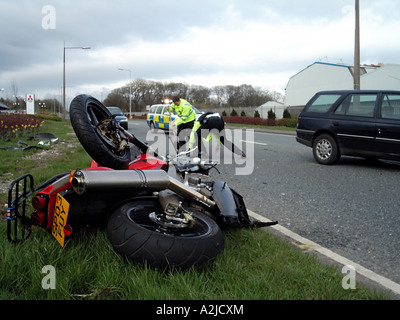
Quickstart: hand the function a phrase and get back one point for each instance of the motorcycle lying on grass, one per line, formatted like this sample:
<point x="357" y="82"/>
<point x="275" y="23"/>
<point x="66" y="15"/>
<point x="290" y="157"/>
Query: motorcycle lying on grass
<point x="163" y="211"/>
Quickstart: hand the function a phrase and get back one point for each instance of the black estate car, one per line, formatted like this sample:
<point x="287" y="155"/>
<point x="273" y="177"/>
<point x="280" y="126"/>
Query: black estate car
<point x="361" y="123"/>
<point x="119" y="116"/>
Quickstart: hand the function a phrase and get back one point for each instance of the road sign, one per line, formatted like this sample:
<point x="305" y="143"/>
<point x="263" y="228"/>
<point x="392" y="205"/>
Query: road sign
<point x="30" y="104"/>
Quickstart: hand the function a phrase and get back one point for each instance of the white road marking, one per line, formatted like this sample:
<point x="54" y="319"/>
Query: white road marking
<point x="253" y="142"/>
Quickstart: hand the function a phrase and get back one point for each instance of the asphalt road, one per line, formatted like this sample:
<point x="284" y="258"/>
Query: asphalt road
<point x="351" y="208"/>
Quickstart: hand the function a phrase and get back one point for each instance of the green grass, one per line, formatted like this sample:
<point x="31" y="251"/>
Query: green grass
<point x="255" y="264"/>
<point x="43" y="165"/>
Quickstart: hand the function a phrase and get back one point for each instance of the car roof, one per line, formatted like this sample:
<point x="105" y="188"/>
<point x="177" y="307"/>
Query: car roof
<point x="356" y="91"/>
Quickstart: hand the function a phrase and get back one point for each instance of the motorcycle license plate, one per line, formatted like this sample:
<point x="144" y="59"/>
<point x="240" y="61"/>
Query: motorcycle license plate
<point x="60" y="219"/>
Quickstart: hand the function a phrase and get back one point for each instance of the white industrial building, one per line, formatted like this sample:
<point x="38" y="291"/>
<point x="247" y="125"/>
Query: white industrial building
<point x="327" y="76"/>
<point x="275" y="106"/>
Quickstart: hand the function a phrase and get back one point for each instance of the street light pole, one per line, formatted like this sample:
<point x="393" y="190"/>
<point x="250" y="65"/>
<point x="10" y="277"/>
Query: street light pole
<point x="130" y="91"/>
<point x="356" y="74"/>
<point x="63" y="105"/>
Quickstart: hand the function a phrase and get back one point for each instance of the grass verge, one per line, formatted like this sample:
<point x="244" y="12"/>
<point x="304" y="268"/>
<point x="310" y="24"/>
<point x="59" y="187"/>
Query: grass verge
<point x="253" y="126"/>
<point x="255" y="264"/>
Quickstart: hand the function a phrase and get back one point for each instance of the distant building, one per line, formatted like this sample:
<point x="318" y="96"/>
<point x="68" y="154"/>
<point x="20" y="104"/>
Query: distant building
<point x="276" y="107"/>
<point x="328" y="76"/>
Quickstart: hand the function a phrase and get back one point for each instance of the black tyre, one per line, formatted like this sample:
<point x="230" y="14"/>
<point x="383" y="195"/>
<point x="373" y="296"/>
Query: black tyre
<point x="86" y="115"/>
<point x="134" y="235"/>
<point x="325" y="149"/>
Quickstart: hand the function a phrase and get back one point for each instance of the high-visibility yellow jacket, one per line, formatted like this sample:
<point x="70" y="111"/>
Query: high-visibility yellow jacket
<point x="198" y="124"/>
<point x="184" y="112"/>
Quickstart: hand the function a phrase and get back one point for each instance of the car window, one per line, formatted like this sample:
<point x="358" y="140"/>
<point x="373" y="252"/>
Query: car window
<point x="159" y="109"/>
<point x="197" y="111"/>
<point x="169" y="112"/>
<point x="390" y="106"/>
<point x="362" y="105"/>
<point x="115" y="110"/>
<point x="322" y="103"/>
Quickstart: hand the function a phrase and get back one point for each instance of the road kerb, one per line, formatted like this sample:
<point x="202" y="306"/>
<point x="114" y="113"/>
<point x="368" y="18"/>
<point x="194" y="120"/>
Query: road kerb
<point x="368" y="274"/>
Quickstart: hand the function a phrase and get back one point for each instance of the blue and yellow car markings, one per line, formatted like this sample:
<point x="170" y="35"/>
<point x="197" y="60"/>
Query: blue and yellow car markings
<point x="161" y="120"/>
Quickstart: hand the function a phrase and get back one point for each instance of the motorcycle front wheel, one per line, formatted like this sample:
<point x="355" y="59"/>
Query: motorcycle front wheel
<point x="87" y="115"/>
<point x="134" y="235"/>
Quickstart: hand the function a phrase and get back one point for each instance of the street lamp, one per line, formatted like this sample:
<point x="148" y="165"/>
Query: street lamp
<point x="130" y="91"/>
<point x="63" y="106"/>
<point x="356" y="74"/>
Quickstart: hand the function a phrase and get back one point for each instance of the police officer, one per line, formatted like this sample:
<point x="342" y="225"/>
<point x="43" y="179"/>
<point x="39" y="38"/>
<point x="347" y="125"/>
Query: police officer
<point x="211" y="125"/>
<point x="186" y="117"/>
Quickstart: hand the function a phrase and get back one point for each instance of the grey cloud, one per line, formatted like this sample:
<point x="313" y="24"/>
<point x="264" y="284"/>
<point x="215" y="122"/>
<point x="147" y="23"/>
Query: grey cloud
<point x="33" y="56"/>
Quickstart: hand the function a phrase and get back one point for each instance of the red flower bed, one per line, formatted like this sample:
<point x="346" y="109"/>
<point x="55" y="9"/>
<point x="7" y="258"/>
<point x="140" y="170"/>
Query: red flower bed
<point x="17" y="125"/>
<point x="139" y="117"/>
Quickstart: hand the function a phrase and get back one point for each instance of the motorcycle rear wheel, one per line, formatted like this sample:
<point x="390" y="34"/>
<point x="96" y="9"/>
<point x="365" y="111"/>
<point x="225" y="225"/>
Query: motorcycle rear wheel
<point x="86" y="114"/>
<point x="134" y="235"/>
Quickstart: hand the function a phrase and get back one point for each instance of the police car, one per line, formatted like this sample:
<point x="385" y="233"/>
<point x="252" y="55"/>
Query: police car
<point x="160" y="118"/>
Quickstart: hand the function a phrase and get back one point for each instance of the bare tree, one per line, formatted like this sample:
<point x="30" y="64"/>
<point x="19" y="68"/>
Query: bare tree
<point x="146" y="92"/>
<point x="14" y="89"/>
<point x="115" y="98"/>
<point x="199" y="94"/>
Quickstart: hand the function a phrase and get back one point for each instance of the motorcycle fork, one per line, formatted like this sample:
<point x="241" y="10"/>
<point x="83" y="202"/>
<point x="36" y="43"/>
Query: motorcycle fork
<point x="18" y="224"/>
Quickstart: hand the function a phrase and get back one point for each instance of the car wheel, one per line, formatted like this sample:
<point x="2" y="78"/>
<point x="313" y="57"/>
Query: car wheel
<point x="325" y="149"/>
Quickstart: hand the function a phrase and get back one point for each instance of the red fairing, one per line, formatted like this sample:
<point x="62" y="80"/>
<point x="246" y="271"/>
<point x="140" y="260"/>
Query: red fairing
<point x="142" y="162"/>
<point x="146" y="162"/>
<point x="96" y="166"/>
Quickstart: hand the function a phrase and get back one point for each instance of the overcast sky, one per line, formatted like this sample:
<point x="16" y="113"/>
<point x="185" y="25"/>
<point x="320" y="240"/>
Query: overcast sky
<point x="204" y="42"/>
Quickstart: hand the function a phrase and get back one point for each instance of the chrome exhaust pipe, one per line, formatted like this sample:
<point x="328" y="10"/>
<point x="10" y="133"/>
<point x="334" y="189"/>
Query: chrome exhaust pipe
<point x="95" y="180"/>
<point x="152" y="180"/>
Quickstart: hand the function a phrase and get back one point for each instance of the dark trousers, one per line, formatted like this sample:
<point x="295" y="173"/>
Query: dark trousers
<point x="216" y="125"/>
<point x="181" y="140"/>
